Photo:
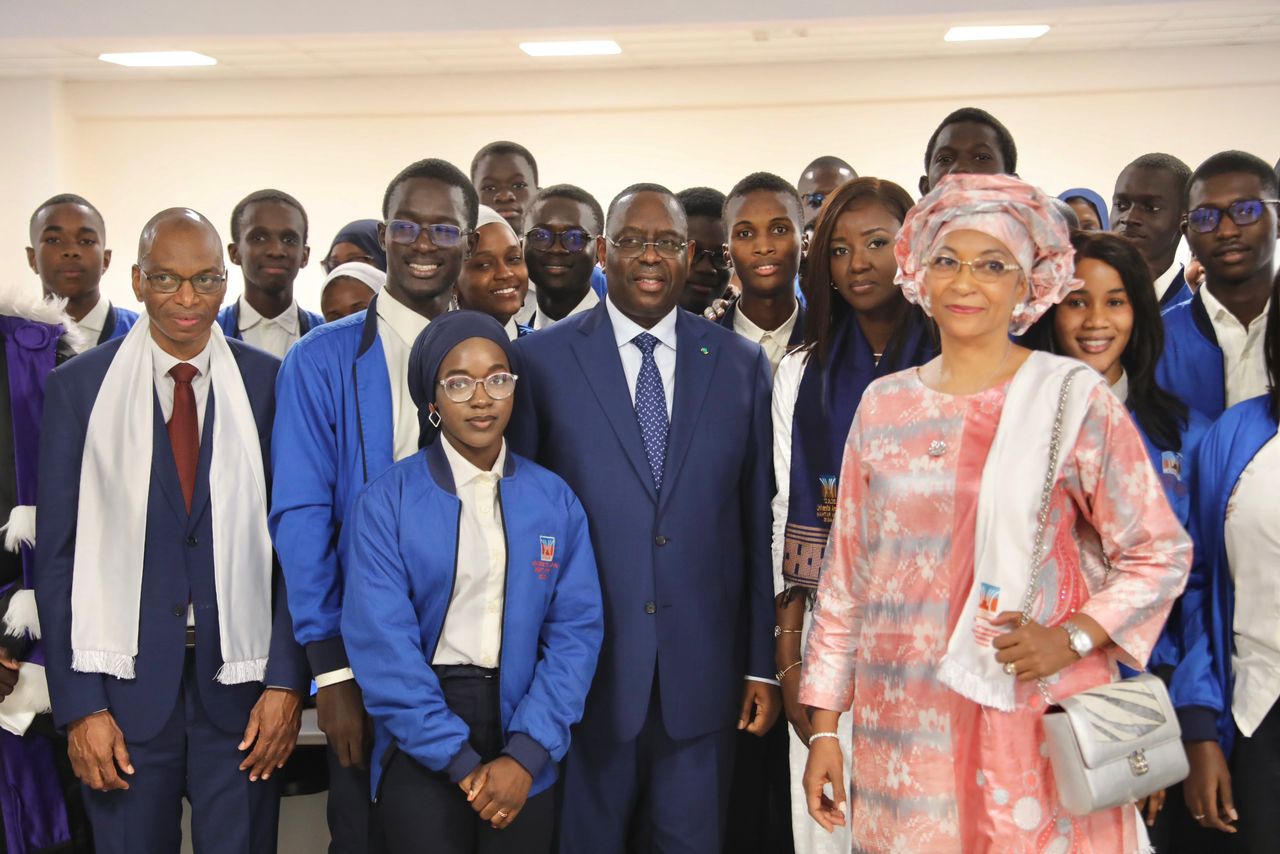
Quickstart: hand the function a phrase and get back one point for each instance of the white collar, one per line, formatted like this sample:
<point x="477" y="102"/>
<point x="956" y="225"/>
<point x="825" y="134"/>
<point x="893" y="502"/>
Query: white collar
<point x="1219" y="314"/>
<point x="286" y="320"/>
<point x="1166" y="279"/>
<point x="588" y="302"/>
<point x="404" y="321"/>
<point x="164" y="362"/>
<point x="464" y="471"/>
<point x="96" y="319"/>
<point x="1120" y="388"/>
<point x="625" y="329"/>
<point x="747" y="328"/>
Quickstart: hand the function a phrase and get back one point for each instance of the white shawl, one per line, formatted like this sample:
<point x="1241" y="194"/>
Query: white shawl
<point x="115" y="480"/>
<point x="1008" y="506"/>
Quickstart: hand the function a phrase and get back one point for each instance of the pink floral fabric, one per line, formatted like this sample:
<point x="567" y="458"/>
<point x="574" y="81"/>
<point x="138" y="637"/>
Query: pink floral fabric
<point x="1014" y="212"/>
<point x="931" y="770"/>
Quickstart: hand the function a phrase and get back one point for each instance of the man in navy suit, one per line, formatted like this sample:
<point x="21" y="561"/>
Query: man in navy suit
<point x="180" y="716"/>
<point x="659" y="421"/>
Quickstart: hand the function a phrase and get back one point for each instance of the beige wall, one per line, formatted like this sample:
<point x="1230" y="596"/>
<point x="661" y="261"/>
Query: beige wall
<point x="134" y="148"/>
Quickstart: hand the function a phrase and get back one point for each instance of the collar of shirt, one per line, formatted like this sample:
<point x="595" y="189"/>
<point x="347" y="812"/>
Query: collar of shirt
<point x="464" y="472"/>
<point x="625" y="329"/>
<point x="164" y="362"/>
<point x="1223" y="320"/>
<point x="588" y="302"/>
<point x="747" y="328"/>
<point x="1166" y="279"/>
<point x="91" y="324"/>
<point x="404" y="321"/>
<point x="286" y="320"/>
<point x="1120" y="388"/>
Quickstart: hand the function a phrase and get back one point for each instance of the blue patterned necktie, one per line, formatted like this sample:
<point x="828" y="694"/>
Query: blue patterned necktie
<point x="651" y="407"/>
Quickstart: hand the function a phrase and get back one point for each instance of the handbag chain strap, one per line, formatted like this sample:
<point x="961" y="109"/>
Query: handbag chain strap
<point x="1042" y="518"/>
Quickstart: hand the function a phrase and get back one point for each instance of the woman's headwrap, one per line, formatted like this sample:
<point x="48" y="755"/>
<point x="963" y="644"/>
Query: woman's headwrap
<point x="363" y="233"/>
<point x="1012" y="211"/>
<point x="431" y="347"/>
<point x="1095" y="201"/>
<point x="488" y="216"/>
<point x="358" y="270"/>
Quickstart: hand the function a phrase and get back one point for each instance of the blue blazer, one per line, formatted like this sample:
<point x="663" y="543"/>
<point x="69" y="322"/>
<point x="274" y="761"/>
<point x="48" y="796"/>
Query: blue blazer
<point x="229" y="320"/>
<point x="334" y="433"/>
<point x="1177" y="292"/>
<point x="1202" y="681"/>
<point x="685" y="574"/>
<point x="119" y="322"/>
<point x="1192" y="364"/>
<point x="403" y="564"/>
<point x="177" y="568"/>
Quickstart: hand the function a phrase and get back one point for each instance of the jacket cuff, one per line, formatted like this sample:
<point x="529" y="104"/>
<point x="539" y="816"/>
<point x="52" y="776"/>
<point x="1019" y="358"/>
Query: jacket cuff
<point x="463" y="763"/>
<point x="328" y="654"/>
<point x="1199" y="723"/>
<point x="533" y="757"/>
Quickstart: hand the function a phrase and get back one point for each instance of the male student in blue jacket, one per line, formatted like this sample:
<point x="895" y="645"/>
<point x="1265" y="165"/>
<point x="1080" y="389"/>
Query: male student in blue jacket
<point x="343" y="416"/>
<point x="473" y="614"/>
<point x="1213" y="355"/>
<point x="269" y="245"/>
<point x="1148" y="206"/>
<point x="69" y="253"/>
<point x="659" y="422"/>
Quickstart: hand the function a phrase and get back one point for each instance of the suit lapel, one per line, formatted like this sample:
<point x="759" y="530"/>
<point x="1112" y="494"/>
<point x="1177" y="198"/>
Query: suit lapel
<point x="108" y="326"/>
<point x="695" y="365"/>
<point x="597" y="353"/>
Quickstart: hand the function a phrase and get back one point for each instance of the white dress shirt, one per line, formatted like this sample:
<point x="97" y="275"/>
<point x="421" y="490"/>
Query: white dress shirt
<point x="1243" y="361"/>
<point x="273" y="334"/>
<point x="398" y="327"/>
<point x="786" y="390"/>
<point x="774" y="341"/>
<point x="588" y="302"/>
<point x="1166" y="279"/>
<point x="1253" y="552"/>
<point x="625" y="329"/>
<point x="93" y="323"/>
<point x="162" y="363"/>
<point x="472" y="631"/>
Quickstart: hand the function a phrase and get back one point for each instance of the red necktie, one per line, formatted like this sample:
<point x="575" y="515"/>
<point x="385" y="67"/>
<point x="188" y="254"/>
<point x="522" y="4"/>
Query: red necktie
<point x="183" y="435"/>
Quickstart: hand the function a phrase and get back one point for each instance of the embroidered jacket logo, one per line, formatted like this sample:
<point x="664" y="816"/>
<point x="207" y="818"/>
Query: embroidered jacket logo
<point x="546" y="564"/>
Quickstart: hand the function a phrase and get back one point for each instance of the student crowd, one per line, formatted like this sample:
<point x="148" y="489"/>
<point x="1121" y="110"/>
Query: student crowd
<point x="701" y="523"/>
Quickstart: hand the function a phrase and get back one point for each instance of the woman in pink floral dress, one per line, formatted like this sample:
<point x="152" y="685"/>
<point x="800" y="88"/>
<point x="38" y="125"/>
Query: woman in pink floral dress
<point x="916" y="636"/>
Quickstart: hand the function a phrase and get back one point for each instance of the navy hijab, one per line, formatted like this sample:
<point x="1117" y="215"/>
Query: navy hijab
<point x="363" y="233"/>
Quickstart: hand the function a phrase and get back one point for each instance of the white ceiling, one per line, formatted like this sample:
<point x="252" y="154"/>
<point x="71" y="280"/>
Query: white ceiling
<point x="320" y="47"/>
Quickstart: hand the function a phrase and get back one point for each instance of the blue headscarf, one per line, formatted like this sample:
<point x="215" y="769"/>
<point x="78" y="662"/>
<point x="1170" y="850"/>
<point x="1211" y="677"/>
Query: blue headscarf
<point x="431" y="347"/>
<point x="363" y="233"/>
<point x="1093" y="199"/>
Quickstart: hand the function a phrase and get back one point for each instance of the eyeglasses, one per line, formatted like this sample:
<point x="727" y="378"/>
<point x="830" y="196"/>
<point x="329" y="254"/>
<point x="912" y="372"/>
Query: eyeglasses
<point x="1206" y="218"/>
<point x="633" y="247"/>
<point x="498" y="386"/>
<point x="572" y="239"/>
<point x="987" y="270"/>
<point x="814" y="200"/>
<point x="171" y="283"/>
<point x="715" y="256"/>
<point x="442" y="235"/>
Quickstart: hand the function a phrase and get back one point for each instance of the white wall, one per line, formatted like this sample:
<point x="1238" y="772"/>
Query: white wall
<point x="134" y="148"/>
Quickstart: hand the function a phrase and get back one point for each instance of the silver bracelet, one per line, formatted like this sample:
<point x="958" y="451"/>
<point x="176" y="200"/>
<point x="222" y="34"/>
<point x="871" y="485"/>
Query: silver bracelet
<point x="818" y="735"/>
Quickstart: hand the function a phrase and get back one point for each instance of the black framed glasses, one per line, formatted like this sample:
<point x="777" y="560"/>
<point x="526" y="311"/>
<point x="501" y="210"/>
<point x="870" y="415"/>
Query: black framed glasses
<point x="634" y="247"/>
<point x="814" y="200"/>
<point x="716" y="256"/>
<point x="171" y="283"/>
<point x="443" y="235"/>
<point x="988" y="270"/>
<point x="572" y="239"/>
<point x="499" y="386"/>
<point x="1206" y="218"/>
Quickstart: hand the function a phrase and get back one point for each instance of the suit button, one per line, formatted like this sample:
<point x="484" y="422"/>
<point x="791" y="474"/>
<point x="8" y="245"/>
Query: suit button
<point x="650" y="608"/>
<point x="660" y="540"/>
<point x="191" y="541"/>
<point x="179" y="611"/>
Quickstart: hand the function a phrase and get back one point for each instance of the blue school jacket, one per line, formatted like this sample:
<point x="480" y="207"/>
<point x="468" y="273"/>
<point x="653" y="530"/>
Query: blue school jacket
<point x="1202" y="681"/>
<point x="333" y="434"/>
<point x="402" y="565"/>
<point x="1192" y="365"/>
<point x="229" y="320"/>
<point x="119" y="322"/>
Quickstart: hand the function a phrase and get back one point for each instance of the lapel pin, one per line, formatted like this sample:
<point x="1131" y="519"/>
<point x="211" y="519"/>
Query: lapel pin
<point x="705" y="351"/>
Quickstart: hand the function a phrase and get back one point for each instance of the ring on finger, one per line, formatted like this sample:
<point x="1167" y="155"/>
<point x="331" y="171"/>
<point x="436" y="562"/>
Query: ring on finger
<point x="502" y="814"/>
<point x="1198" y="817"/>
<point x="1011" y="668"/>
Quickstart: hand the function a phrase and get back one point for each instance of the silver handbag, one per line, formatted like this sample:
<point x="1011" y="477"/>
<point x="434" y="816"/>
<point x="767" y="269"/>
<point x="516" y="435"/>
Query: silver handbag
<point x="1116" y="743"/>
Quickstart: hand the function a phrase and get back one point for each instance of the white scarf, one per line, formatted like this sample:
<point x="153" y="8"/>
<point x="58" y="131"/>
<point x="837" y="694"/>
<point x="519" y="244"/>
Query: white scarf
<point x="115" y="482"/>
<point x="1008" y="507"/>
